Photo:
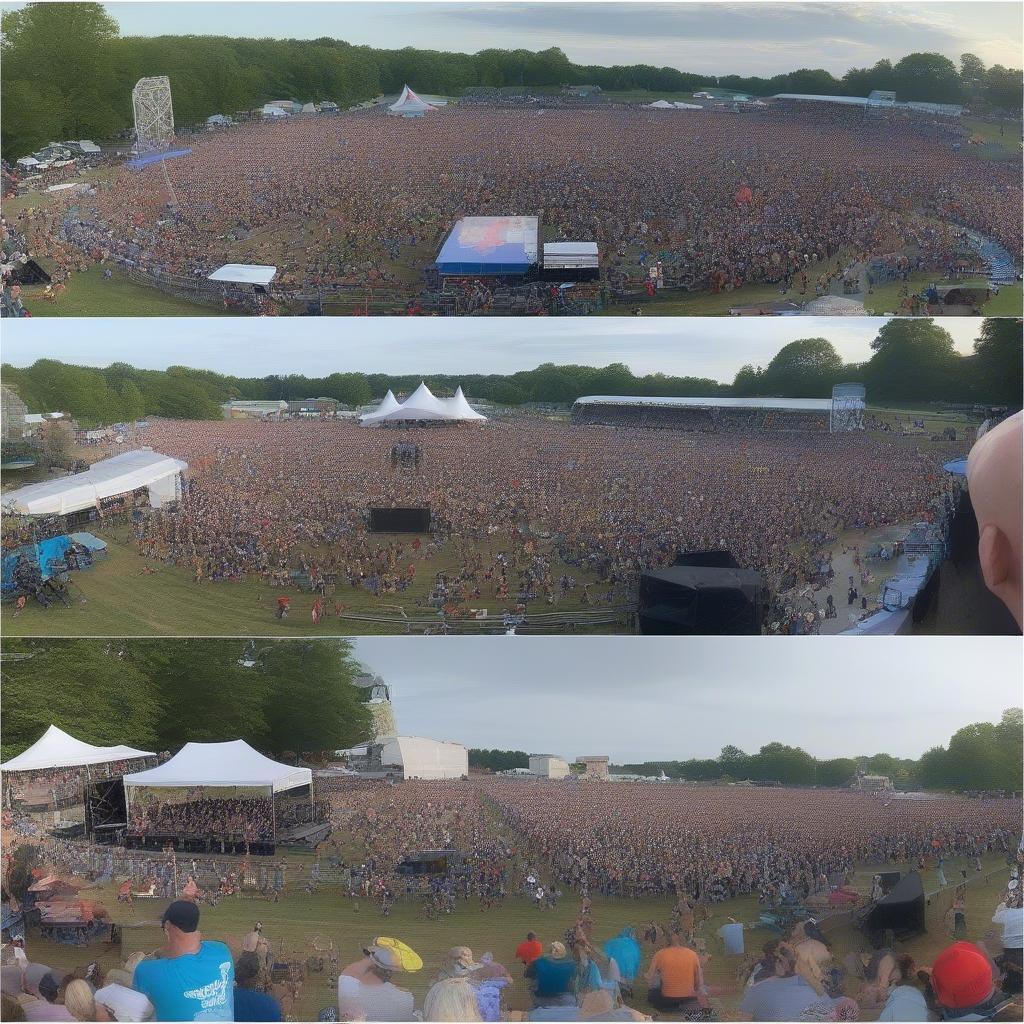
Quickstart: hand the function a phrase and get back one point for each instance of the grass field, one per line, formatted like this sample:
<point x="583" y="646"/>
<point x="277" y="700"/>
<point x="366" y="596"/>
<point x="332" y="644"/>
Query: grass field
<point x="116" y="597"/>
<point x="90" y="294"/>
<point x="708" y="304"/>
<point x="1006" y="145"/>
<point x="327" y="916"/>
<point x="886" y="298"/>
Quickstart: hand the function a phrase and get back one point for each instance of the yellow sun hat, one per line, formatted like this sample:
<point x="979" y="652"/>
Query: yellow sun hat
<point x="407" y="956"/>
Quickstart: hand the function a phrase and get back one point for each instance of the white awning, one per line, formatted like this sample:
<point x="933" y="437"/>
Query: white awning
<point x="56" y="749"/>
<point x="233" y="763"/>
<point x="244" y="273"/>
<point x="570" y="255"/>
<point x="120" y="474"/>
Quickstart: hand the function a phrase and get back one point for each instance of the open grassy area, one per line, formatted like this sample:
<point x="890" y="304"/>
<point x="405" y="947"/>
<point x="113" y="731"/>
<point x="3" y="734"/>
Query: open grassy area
<point x="1004" y="146"/>
<point x="91" y="294"/>
<point x="326" y="916"/>
<point x="117" y="596"/>
<point x="885" y="298"/>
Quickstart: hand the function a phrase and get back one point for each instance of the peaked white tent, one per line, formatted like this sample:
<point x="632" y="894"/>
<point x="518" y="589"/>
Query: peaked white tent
<point x="410" y="105"/>
<point x="57" y="749"/>
<point x="422" y="404"/>
<point x="121" y="474"/>
<point x="213" y="765"/>
<point x="459" y="408"/>
<point x="661" y="105"/>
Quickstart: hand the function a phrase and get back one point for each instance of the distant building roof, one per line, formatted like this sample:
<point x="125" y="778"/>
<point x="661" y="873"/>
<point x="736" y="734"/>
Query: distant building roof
<point x="791" y="404"/>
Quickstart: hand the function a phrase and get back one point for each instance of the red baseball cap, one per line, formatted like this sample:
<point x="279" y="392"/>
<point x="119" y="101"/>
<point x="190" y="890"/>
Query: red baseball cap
<point x="962" y="976"/>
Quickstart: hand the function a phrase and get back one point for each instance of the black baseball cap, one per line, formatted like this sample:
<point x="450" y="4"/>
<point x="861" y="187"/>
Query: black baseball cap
<point x="183" y="915"/>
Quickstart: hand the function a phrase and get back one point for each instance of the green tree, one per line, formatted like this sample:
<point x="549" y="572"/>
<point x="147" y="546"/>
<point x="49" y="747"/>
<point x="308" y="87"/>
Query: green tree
<point x="807" y="368"/>
<point x="312" y="703"/>
<point x="837" y="772"/>
<point x="1000" y="361"/>
<point x="92" y="689"/>
<point x="913" y="359"/>
<point x="927" y="77"/>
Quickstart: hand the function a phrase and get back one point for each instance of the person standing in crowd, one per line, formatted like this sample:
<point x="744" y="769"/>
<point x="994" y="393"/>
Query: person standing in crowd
<point x="529" y="949"/>
<point x="1009" y="916"/>
<point x="366" y="989"/>
<point x="964" y="988"/>
<point x="251" y="1003"/>
<point x="674" y="978"/>
<point x="553" y="977"/>
<point x="194" y="979"/>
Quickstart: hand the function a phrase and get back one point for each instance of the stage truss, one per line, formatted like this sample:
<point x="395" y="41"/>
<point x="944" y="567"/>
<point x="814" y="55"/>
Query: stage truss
<point x="847" y="412"/>
<point x="154" y="114"/>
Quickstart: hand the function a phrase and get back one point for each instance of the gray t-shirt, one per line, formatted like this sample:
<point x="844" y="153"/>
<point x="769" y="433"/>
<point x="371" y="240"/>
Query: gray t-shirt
<point x="778" y="999"/>
<point x="385" y="1002"/>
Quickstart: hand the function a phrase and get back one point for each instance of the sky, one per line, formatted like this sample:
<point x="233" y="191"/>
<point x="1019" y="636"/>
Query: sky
<point x="714" y="38"/>
<point x="255" y="347"/>
<point x="675" y="698"/>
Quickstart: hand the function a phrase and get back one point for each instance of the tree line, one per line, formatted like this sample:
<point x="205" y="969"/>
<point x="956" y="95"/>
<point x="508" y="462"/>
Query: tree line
<point x="498" y="760"/>
<point x="981" y="756"/>
<point x="282" y="697"/>
<point x="68" y="73"/>
<point x="912" y="360"/>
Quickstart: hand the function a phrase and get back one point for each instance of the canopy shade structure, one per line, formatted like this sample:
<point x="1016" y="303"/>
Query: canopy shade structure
<point x="230" y="764"/>
<point x="423" y="404"/>
<point x="120" y="474"/>
<point x="244" y="273"/>
<point x="410" y="105"/>
<point x="661" y="105"/>
<point x="679" y="105"/>
<point x="56" y="749"/>
<point x="490" y="245"/>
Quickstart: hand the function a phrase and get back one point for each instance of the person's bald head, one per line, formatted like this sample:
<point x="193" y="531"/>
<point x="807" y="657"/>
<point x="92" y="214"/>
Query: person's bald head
<point x="997" y="493"/>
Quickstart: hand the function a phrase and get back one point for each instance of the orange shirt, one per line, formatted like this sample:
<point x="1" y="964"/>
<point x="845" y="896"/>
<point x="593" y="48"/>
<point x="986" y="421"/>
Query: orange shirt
<point x="677" y="968"/>
<point x="528" y="951"/>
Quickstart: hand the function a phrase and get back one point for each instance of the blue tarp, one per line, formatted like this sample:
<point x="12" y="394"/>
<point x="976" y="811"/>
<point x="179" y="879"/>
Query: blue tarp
<point x="490" y="246"/>
<point x="958" y="467"/>
<point x="42" y="554"/>
<point x="137" y="163"/>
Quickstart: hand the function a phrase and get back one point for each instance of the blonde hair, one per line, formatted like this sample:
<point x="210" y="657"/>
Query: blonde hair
<point x="453" y="999"/>
<point x="79" y="1001"/>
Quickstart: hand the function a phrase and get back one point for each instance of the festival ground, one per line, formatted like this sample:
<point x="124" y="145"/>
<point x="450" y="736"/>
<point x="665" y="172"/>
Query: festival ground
<point x="292" y="925"/>
<point x="128" y="595"/>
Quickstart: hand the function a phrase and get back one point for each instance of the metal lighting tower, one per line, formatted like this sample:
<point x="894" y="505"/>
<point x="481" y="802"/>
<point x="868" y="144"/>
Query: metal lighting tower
<point x="847" y="412"/>
<point x="154" y="114"/>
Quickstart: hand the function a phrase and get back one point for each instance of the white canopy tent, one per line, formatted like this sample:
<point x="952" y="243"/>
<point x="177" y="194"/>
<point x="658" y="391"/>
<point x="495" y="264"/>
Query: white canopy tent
<point x="244" y="273"/>
<point x="423" y="404"/>
<point x="680" y="105"/>
<point x="661" y="105"/>
<point x="121" y="474"/>
<point x="410" y="105"/>
<point x="56" y="749"/>
<point x="570" y="255"/>
<point x="212" y="765"/>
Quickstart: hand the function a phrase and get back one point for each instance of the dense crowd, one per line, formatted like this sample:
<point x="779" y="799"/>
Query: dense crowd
<point x="523" y="508"/>
<point x="714" y="843"/>
<point x="250" y="818"/>
<point x="722" y="198"/>
<point x="693" y="844"/>
<point x="57" y="786"/>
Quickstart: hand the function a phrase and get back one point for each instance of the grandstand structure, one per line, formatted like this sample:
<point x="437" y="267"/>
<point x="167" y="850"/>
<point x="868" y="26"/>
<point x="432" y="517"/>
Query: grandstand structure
<point x="718" y="413"/>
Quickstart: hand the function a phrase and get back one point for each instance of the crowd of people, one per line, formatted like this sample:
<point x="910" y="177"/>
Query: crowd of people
<point x="526" y="511"/>
<point x="720" y="198"/>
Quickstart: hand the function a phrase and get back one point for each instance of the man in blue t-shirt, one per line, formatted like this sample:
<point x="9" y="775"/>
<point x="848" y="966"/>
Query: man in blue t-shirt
<point x="552" y="977"/>
<point x="193" y="980"/>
